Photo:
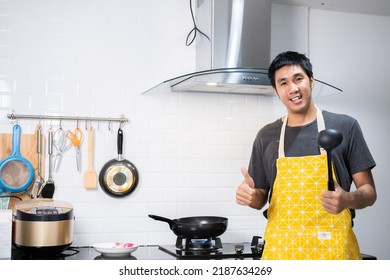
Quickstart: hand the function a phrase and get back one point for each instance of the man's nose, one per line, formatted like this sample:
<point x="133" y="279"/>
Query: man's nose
<point x="293" y="88"/>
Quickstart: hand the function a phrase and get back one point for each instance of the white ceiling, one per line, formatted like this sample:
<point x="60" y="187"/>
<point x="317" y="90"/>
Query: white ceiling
<point x="374" y="7"/>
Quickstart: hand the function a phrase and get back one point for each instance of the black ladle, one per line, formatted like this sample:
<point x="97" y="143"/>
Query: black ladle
<point x="329" y="139"/>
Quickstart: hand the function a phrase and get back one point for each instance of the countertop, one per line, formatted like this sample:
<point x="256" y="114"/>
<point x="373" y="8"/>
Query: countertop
<point x="143" y="252"/>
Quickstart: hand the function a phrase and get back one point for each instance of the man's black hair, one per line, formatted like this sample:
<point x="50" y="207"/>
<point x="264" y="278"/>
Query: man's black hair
<point x="289" y="58"/>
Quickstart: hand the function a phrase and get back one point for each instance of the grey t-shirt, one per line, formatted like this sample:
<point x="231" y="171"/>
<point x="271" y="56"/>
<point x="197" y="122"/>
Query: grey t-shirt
<point x="349" y="158"/>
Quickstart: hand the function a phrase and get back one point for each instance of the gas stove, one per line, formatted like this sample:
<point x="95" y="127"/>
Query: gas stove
<point x="213" y="248"/>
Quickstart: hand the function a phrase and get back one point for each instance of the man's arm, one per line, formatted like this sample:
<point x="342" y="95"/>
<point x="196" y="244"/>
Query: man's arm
<point x="365" y="195"/>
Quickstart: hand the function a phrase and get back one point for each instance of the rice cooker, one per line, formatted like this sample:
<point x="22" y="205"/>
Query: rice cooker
<point x="42" y="225"/>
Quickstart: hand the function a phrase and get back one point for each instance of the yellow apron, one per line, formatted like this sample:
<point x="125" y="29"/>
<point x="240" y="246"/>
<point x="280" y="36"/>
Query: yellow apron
<point x="298" y="226"/>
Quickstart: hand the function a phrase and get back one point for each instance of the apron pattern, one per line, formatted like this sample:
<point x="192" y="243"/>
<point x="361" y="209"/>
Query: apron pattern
<point x="298" y="226"/>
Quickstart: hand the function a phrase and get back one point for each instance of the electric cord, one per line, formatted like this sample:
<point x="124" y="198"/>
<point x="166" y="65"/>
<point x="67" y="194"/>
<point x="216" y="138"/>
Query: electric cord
<point x="194" y="30"/>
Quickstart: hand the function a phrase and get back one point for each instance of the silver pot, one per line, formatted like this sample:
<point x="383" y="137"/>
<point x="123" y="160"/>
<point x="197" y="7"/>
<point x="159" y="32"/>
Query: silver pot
<point x="43" y="225"/>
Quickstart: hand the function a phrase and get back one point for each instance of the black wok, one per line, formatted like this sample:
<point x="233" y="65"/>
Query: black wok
<point x="196" y="227"/>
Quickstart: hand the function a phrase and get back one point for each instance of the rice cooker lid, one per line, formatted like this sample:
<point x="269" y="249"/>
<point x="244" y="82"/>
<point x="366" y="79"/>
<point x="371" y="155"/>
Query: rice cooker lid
<point x="43" y="210"/>
<point x="44" y="213"/>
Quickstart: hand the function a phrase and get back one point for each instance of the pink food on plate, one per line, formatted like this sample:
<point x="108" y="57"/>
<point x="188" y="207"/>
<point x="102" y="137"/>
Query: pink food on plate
<point x="123" y="245"/>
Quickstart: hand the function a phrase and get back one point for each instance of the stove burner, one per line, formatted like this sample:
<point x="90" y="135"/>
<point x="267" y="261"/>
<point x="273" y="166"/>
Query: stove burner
<point x="204" y="245"/>
<point x="199" y="244"/>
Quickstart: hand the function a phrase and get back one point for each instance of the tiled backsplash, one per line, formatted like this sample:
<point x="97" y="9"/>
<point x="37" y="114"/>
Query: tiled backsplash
<point x="95" y="58"/>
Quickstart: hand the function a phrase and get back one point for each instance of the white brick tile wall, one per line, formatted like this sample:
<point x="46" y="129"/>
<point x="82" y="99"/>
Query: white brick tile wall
<point x="95" y="58"/>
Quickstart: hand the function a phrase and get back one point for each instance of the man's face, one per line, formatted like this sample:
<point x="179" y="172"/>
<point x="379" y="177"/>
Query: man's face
<point x="293" y="87"/>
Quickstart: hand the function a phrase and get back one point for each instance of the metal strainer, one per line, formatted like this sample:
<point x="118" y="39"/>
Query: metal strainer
<point x="16" y="172"/>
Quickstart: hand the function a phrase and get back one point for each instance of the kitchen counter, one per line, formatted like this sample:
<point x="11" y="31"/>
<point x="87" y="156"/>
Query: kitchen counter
<point x="144" y="252"/>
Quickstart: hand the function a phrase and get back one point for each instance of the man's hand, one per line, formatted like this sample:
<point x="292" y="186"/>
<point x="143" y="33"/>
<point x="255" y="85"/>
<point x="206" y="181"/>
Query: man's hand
<point x="247" y="194"/>
<point x="333" y="201"/>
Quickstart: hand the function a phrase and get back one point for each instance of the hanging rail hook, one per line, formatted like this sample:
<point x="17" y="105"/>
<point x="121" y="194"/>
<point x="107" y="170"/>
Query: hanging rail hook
<point x="123" y="121"/>
<point x="12" y="117"/>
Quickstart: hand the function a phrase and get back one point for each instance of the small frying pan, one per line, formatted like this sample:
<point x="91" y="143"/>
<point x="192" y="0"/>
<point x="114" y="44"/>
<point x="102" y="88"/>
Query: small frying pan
<point x="118" y="177"/>
<point x="16" y="172"/>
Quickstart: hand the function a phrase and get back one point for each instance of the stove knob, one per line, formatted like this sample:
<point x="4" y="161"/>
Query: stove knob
<point x="239" y="248"/>
<point x="257" y="243"/>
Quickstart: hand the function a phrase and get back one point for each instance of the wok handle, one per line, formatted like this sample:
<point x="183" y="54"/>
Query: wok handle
<point x="171" y="223"/>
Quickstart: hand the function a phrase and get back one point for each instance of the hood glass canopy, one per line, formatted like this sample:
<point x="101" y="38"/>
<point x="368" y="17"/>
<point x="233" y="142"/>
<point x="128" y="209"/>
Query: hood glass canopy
<point x="251" y="81"/>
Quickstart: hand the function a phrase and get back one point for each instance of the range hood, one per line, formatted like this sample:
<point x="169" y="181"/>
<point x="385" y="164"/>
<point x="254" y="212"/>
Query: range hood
<point x="233" y="50"/>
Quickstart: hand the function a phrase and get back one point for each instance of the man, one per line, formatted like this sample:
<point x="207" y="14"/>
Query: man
<point x="288" y="168"/>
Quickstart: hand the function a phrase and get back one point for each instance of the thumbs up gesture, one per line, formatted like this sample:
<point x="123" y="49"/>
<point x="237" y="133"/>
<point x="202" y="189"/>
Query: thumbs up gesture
<point x="248" y="195"/>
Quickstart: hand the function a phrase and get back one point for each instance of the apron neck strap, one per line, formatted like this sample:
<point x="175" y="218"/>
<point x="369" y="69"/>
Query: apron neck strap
<point x="320" y="125"/>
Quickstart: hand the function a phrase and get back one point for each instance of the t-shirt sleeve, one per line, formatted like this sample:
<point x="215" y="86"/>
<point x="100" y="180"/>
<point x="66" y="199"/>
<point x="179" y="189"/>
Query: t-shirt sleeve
<point x="262" y="165"/>
<point x="256" y="166"/>
<point x="360" y="157"/>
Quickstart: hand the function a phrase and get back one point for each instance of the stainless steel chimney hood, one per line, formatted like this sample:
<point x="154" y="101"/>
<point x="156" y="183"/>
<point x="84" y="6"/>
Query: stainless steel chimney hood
<point x="236" y="55"/>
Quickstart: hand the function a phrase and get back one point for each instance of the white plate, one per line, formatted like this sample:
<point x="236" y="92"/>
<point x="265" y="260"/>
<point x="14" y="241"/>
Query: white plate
<point x="113" y="249"/>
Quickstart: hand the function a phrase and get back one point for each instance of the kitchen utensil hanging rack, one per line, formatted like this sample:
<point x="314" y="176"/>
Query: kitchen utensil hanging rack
<point x="14" y="117"/>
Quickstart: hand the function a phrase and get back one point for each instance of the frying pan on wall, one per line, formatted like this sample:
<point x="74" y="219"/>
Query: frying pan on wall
<point x="16" y="172"/>
<point x="119" y="177"/>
